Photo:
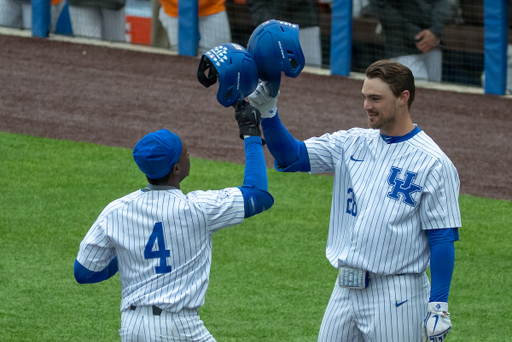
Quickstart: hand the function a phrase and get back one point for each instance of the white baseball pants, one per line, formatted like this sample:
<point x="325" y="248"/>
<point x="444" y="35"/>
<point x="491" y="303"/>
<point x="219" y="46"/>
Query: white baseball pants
<point x="391" y="308"/>
<point x="426" y="66"/>
<point x="214" y="30"/>
<point x="98" y="23"/>
<point x="13" y="14"/>
<point x="141" y="325"/>
<point x="309" y="38"/>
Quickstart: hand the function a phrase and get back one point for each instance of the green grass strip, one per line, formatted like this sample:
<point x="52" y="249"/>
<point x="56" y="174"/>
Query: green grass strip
<point x="270" y="280"/>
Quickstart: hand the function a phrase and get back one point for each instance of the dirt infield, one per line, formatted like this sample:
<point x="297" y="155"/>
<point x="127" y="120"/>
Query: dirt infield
<point x="114" y="97"/>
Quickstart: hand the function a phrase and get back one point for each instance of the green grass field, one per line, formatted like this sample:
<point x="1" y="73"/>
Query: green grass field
<point x="270" y="280"/>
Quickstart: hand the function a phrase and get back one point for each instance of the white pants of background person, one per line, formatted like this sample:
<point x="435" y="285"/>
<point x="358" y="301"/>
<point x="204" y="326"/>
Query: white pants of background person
<point x="425" y="66"/>
<point x="98" y="23"/>
<point x="214" y="30"/>
<point x="141" y="324"/>
<point x="309" y="38"/>
<point x="14" y="14"/>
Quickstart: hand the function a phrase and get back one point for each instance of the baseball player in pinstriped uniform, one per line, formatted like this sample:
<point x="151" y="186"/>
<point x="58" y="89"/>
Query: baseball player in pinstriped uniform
<point x="394" y="212"/>
<point x="160" y="239"/>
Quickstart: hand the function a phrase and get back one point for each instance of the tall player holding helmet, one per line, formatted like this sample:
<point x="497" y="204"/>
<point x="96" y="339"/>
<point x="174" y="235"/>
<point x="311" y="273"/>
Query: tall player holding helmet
<point x="159" y="238"/>
<point x="394" y="206"/>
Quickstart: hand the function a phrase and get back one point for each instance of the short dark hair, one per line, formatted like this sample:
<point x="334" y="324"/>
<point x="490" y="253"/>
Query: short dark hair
<point x="159" y="181"/>
<point x="398" y="76"/>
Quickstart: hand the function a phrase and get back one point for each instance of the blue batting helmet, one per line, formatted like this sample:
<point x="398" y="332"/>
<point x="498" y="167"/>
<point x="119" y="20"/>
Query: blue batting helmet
<point x="275" y="47"/>
<point x="235" y="69"/>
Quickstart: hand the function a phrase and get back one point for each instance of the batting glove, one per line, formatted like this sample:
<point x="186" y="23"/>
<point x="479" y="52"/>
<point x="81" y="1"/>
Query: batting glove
<point x="437" y="322"/>
<point x="261" y="99"/>
<point x="248" y="119"/>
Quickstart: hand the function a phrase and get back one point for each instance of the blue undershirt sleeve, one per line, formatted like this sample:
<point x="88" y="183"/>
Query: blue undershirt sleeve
<point x="290" y="155"/>
<point x="442" y="259"/>
<point x="85" y="276"/>
<point x="255" y="175"/>
<point x="255" y="188"/>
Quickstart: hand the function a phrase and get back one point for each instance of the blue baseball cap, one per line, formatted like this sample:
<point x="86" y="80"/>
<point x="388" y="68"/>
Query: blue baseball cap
<point x="157" y="152"/>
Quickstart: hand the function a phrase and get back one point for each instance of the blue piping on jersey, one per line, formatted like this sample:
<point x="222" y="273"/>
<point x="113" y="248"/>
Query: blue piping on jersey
<point x="393" y="140"/>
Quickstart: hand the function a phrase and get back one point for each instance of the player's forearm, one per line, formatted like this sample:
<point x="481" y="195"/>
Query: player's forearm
<point x="285" y="149"/>
<point x="255" y="188"/>
<point x="255" y="175"/>
<point x="86" y="276"/>
<point x="442" y="260"/>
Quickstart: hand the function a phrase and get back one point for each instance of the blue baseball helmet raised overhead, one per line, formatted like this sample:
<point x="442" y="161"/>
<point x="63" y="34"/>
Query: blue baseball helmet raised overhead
<point x="275" y="47"/>
<point x="235" y="69"/>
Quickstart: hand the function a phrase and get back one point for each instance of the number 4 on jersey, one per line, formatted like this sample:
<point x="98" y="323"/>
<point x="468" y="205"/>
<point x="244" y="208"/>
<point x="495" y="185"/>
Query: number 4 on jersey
<point x="161" y="253"/>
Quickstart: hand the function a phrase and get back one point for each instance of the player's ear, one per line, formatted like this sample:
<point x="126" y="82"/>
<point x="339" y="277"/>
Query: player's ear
<point x="176" y="169"/>
<point x="404" y="97"/>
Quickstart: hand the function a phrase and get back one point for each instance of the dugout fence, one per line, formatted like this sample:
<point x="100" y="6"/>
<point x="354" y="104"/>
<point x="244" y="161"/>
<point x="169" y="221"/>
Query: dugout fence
<point x="343" y="36"/>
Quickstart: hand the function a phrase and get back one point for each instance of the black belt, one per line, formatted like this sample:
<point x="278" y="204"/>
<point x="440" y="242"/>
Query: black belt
<point x="156" y="310"/>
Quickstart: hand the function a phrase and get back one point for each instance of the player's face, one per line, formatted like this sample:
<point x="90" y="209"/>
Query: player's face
<point x="380" y="104"/>
<point x="184" y="162"/>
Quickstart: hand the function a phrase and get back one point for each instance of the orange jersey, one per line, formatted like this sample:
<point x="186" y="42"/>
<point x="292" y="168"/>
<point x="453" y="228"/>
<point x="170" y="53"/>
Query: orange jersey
<point x="55" y="2"/>
<point x="206" y="7"/>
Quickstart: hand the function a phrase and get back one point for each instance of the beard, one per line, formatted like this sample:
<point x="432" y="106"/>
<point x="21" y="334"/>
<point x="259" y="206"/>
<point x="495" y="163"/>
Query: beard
<point x="380" y="121"/>
<point x="383" y="120"/>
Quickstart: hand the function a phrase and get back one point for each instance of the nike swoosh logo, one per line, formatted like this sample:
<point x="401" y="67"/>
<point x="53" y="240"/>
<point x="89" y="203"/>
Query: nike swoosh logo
<point x="402" y="303"/>
<point x="356" y="160"/>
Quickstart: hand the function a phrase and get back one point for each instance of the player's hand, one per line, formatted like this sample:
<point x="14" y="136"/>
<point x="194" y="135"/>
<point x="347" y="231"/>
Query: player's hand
<point x="261" y="99"/>
<point x="426" y="41"/>
<point x="437" y="322"/>
<point x="248" y="119"/>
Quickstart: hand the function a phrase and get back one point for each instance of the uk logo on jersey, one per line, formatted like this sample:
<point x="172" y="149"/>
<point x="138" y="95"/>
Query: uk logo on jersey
<point x="404" y="187"/>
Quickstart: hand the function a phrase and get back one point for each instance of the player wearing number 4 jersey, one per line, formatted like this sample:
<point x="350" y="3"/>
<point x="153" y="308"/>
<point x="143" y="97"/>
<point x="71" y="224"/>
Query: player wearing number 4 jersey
<point x="394" y="212"/>
<point x="160" y="239"/>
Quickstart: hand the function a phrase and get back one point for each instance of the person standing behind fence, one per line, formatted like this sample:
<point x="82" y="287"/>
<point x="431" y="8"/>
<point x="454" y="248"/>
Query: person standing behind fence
<point x="98" y="19"/>
<point x="214" y="26"/>
<point x="413" y="30"/>
<point x="159" y="36"/>
<point x="18" y="13"/>
<point x="305" y="13"/>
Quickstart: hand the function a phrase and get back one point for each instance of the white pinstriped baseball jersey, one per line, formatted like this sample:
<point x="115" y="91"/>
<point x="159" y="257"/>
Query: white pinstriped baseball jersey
<point x="162" y="239"/>
<point x="384" y="195"/>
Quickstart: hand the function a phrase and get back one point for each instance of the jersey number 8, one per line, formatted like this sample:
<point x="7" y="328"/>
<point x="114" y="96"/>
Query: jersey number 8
<point x="161" y="253"/>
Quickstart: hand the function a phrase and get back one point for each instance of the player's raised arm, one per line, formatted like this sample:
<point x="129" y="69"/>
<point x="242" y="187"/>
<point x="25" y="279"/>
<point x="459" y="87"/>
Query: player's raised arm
<point x="255" y="187"/>
<point x="289" y="153"/>
<point x="276" y="49"/>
